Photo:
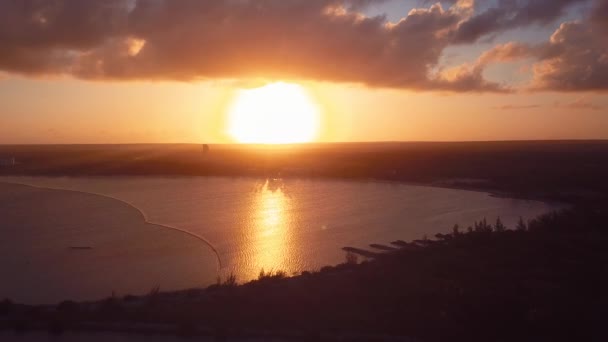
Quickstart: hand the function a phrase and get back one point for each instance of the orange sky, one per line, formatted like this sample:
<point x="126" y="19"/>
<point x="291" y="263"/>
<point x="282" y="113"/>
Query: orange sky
<point x="71" y="111"/>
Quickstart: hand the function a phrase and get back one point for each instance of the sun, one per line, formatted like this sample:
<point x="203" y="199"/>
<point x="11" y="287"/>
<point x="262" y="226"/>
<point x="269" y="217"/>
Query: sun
<point x="277" y="113"/>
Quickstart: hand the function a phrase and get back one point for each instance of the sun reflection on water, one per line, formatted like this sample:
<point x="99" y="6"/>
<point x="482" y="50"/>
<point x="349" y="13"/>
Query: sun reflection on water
<point x="271" y="228"/>
<point x="271" y="209"/>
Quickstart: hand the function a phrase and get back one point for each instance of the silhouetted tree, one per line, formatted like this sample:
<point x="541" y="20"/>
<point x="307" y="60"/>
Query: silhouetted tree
<point x="521" y="225"/>
<point x="230" y="280"/>
<point x="6" y="307"/>
<point x="499" y="226"/>
<point x="483" y="226"/>
<point x="456" y="230"/>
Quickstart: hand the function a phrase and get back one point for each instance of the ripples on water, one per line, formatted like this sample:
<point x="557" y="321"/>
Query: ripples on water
<point x="294" y="225"/>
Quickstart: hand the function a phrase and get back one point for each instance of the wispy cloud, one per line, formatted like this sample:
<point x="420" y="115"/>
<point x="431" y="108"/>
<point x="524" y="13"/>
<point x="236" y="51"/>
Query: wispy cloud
<point x="516" y="107"/>
<point x="581" y="104"/>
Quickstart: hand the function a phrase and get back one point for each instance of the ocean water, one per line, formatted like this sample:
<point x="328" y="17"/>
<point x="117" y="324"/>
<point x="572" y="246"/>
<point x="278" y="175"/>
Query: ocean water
<point x="185" y="232"/>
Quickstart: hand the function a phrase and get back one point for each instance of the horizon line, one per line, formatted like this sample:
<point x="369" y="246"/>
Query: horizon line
<point x="310" y="143"/>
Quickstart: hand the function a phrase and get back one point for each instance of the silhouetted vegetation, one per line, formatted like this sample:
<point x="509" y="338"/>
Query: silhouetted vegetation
<point x="229" y="282"/>
<point x="545" y="280"/>
<point x="6" y="307"/>
<point x="271" y="275"/>
<point x="351" y="258"/>
<point x="521" y="225"/>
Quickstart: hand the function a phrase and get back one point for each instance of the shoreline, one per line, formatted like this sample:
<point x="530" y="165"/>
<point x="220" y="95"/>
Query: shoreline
<point x="141" y="213"/>
<point x="432" y="184"/>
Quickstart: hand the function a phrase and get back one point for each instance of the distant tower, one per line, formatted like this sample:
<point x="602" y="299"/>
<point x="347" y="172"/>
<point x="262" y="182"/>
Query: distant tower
<point x="205" y="148"/>
<point x="8" y="162"/>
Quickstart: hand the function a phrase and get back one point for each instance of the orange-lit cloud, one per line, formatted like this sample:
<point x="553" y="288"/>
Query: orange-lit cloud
<point x="575" y="57"/>
<point x="328" y="40"/>
<point x="509" y="14"/>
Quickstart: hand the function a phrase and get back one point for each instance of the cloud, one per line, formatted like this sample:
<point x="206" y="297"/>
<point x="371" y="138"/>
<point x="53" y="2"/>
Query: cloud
<point x="42" y="36"/>
<point x="599" y="15"/>
<point x="326" y="40"/>
<point x="516" y="107"/>
<point x="469" y="76"/>
<point x="503" y="53"/>
<point x="581" y="104"/>
<point x="510" y="14"/>
<point x="466" y="78"/>
<point x="574" y="59"/>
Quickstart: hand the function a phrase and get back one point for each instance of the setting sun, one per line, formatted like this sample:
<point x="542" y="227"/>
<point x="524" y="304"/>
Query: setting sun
<point x="278" y="113"/>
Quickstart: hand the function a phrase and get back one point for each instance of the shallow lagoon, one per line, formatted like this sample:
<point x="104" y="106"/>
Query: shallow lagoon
<point x="198" y="228"/>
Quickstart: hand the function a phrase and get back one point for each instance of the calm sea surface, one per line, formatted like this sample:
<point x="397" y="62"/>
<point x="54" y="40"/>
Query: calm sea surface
<point x="176" y="233"/>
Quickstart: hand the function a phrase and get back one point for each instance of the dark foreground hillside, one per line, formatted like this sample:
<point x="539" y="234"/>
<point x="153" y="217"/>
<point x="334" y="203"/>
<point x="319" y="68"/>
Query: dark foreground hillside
<point x="543" y="281"/>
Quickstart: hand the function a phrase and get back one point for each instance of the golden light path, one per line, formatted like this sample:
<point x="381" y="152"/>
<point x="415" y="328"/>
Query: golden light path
<point x="277" y="113"/>
<point x="272" y="228"/>
<point x="267" y="233"/>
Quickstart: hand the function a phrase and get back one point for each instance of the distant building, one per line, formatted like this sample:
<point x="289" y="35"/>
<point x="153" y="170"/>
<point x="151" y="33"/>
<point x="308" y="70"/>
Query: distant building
<point x="7" y="162"/>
